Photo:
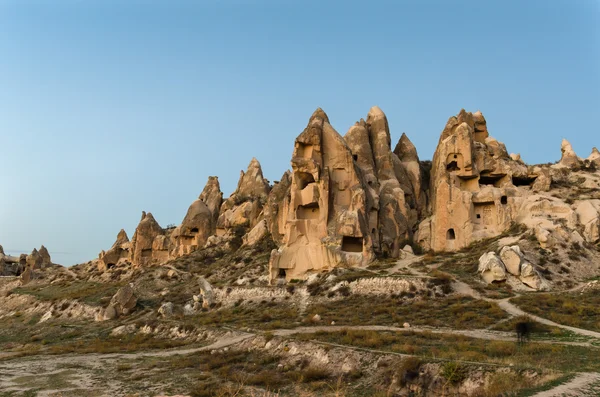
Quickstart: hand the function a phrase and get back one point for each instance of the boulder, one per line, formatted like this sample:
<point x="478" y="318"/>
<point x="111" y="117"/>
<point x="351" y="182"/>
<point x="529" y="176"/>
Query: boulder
<point x="588" y="214"/>
<point x="110" y="313"/>
<point x="166" y="309"/>
<point x="257" y="233"/>
<point x="512" y="258"/>
<point x="206" y="292"/>
<point x="124" y="300"/>
<point x="531" y="277"/>
<point x="491" y="268"/>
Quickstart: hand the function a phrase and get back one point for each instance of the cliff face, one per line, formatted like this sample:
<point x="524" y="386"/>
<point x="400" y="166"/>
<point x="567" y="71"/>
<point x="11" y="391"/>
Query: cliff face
<point x="350" y="199"/>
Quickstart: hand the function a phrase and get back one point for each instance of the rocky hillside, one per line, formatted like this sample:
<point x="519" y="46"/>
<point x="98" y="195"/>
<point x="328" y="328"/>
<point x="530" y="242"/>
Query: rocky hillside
<point x="363" y="271"/>
<point x="348" y="200"/>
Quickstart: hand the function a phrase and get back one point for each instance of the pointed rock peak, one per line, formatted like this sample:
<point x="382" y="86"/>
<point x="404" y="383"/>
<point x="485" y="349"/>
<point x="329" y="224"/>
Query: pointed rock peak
<point x="143" y="215"/>
<point x="149" y="218"/>
<point x="566" y="147"/>
<point x="405" y="150"/>
<point x="595" y="157"/>
<point x="212" y="184"/>
<point x="252" y="183"/>
<point x="375" y="113"/>
<point x="122" y="237"/>
<point x="466" y="117"/>
<point x="34" y="252"/>
<point x="320" y="113"/>
<point x="254" y="163"/>
<point x="43" y="250"/>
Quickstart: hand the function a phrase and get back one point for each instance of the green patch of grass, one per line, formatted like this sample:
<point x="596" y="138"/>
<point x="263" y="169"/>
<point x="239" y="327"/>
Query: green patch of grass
<point x="581" y="310"/>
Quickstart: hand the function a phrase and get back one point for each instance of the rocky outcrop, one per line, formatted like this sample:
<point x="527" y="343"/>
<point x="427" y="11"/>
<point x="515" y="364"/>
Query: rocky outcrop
<point x="147" y="232"/>
<point x="568" y="158"/>
<point x="588" y="213"/>
<point x="275" y="210"/>
<point x="395" y="224"/>
<point x="34" y="260"/>
<point x="199" y="223"/>
<point x="326" y="224"/>
<point x="45" y="255"/>
<point x="476" y="187"/>
<point x="118" y="253"/>
<point x="244" y="206"/>
<point x="594" y="157"/>
<point x="213" y="198"/>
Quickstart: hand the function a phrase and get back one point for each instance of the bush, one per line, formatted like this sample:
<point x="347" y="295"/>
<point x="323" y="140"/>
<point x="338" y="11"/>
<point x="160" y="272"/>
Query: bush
<point x="453" y="372"/>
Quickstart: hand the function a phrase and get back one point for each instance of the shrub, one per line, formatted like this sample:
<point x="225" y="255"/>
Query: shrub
<point x="453" y="372"/>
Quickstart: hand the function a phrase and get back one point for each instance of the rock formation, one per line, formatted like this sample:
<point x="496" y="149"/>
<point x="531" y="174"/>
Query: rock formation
<point x="119" y="252"/>
<point x="243" y="207"/>
<point x="275" y="210"/>
<point x="45" y="255"/>
<point x="349" y="198"/>
<point x="148" y="242"/>
<point x="491" y="268"/>
<point x="199" y="223"/>
<point x="476" y="187"/>
<point x="326" y="224"/>
<point x="594" y="157"/>
<point x="122" y="303"/>
<point x="568" y="158"/>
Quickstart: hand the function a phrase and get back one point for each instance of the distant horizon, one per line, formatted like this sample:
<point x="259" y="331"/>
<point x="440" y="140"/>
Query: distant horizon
<point x="111" y="108"/>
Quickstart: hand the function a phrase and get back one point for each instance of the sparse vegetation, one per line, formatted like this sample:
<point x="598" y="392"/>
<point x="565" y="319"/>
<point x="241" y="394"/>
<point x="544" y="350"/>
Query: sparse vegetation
<point x="580" y="310"/>
<point x="457" y="312"/>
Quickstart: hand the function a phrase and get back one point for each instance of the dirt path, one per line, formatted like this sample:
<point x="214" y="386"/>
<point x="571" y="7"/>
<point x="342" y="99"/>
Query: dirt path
<point x="508" y="307"/>
<point x="474" y="333"/>
<point x="584" y="384"/>
<point x="85" y="374"/>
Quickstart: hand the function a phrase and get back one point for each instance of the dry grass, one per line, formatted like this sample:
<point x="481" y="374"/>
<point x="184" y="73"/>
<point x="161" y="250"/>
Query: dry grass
<point x="264" y="315"/>
<point x="90" y="293"/>
<point x="578" y="310"/>
<point x="456" y="312"/>
<point x="430" y="346"/>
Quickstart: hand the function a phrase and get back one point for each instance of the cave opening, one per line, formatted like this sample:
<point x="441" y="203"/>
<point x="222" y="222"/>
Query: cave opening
<point x="352" y="244"/>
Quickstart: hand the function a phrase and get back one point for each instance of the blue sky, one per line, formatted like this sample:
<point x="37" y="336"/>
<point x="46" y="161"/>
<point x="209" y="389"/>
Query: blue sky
<point x="108" y="108"/>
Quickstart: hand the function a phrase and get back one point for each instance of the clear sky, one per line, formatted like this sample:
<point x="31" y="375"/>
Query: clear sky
<point x="108" y="108"/>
